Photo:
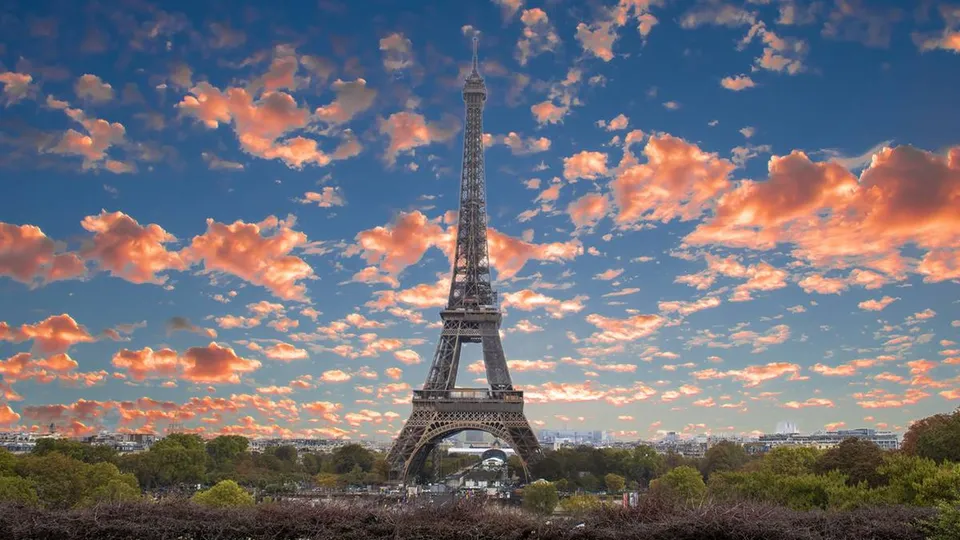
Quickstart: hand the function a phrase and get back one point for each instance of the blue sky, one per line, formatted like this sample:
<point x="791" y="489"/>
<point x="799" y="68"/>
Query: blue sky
<point x="280" y="179"/>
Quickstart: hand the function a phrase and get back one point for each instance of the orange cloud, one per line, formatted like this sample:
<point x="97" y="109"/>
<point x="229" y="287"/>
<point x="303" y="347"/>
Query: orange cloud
<point x="241" y="249"/>
<point x="55" y="334"/>
<point x="214" y="364"/>
<point x="128" y="250"/>
<point x="408" y="130"/>
<point x="835" y="220"/>
<point x="877" y="305"/>
<point x="678" y="181"/>
<point x="353" y="97"/>
<point x="737" y="82"/>
<point x="585" y="164"/>
<point x="618" y="330"/>
<point x="284" y="352"/>
<point x="28" y="255"/>
<point x="528" y="300"/>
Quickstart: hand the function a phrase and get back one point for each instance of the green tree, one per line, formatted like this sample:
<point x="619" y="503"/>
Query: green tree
<point x="287" y="453"/>
<point x="614" y="482"/>
<point x="935" y="437"/>
<point x="327" y="481"/>
<point x="88" y="453"/>
<point x="8" y="463"/>
<point x="178" y="458"/>
<point x="14" y="489"/>
<point x="904" y="476"/>
<point x="946" y="524"/>
<point x="61" y="481"/>
<point x="645" y="464"/>
<point x="858" y="459"/>
<point x="580" y="504"/>
<point x="540" y="497"/>
<point x="723" y="456"/>
<point x="684" y="484"/>
<point x="226" y="448"/>
<point x="348" y="456"/>
<point x="115" y="490"/>
<point x="790" y="460"/>
<point x="224" y="494"/>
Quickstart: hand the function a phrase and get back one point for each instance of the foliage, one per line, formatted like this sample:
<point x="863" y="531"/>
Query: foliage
<point x="584" y="467"/>
<point x="225" y="449"/>
<point x="8" y="462"/>
<point x="684" y="484"/>
<point x="64" y="482"/>
<point x="225" y="494"/>
<point x="614" y="482"/>
<point x="327" y="481"/>
<point x="857" y="459"/>
<point x="88" y="453"/>
<point x="540" y="497"/>
<point x="946" y="524"/>
<point x="14" y="489"/>
<point x="790" y="460"/>
<point x="919" y="481"/>
<point x="180" y="519"/>
<point x="580" y="504"/>
<point x="936" y="437"/>
<point x="723" y="456"/>
<point x="349" y="456"/>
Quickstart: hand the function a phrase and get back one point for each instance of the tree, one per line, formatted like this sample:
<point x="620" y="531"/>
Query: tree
<point x="286" y="453"/>
<point x="350" y="455"/>
<point x="580" y="504"/>
<point x="684" y="484"/>
<point x="904" y="476"/>
<point x="14" y="489"/>
<point x="614" y="482"/>
<point x="225" y="494"/>
<point x="8" y="463"/>
<point x="226" y="448"/>
<point x="178" y="458"/>
<point x="723" y="456"/>
<point x="540" y="497"/>
<point x="790" y="460"/>
<point x="88" y="453"/>
<point x="327" y="481"/>
<point x="858" y="459"/>
<point x="646" y="464"/>
<point x="61" y="481"/>
<point x="935" y="437"/>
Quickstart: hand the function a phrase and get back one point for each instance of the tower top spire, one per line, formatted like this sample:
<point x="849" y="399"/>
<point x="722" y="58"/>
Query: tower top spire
<point x="475" y="61"/>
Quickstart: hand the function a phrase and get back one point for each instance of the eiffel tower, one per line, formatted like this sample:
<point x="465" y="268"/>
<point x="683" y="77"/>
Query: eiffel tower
<point x="442" y="409"/>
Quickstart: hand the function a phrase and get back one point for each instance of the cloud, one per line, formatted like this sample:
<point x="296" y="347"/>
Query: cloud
<point x="408" y="131"/>
<point x="242" y="249"/>
<point x="29" y="256"/>
<point x="876" y="305"/>
<point x="585" y="164"/>
<point x="16" y="86"/>
<point x="284" y="352"/>
<point x="509" y="8"/>
<point x="258" y="124"/>
<point x="598" y="37"/>
<point x="328" y="197"/>
<point x="619" y="330"/>
<point x="55" y="334"/>
<point x="215" y="163"/>
<point x="128" y="250"/>
<point x="783" y="55"/>
<point x="616" y="123"/>
<point x="686" y="308"/>
<point x="397" y="52"/>
<point x="215" y="364"/>
<point x="678" y="181"/>
<point x="811" y="402"/>
<point x="528" y="300"/>
<point x="852" y="20"/>
<point x="353" y="97"/>
<point x="737" y="82"/>
<point x="183" y="324"/>
<point x="751" y="376"/>
<point x="588" y="210"/>
<point x="836" y="220"/>
<point x="546" y="112"/>
<point x="92" y="88"/>
<point x="93" y="145"/>
<point x="539" y="36"/>
<point x="520" y="146"/>
<point x="147" y="363"/>
<point x="407" y="356"/>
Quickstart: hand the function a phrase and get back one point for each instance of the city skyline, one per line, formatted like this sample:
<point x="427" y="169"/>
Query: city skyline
<point x="704" y="216"/>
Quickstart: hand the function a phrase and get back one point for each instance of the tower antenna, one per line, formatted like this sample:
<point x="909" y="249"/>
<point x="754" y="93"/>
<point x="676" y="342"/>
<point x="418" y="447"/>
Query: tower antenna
<point x="475" y="62"/>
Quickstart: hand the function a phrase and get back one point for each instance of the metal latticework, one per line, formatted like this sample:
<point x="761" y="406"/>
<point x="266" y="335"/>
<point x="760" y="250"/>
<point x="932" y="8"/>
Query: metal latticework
<point x="472" y="315"/>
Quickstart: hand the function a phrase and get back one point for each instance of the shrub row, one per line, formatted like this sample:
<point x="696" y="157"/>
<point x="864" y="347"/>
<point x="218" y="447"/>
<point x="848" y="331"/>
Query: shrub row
<point x="654" y="520"/>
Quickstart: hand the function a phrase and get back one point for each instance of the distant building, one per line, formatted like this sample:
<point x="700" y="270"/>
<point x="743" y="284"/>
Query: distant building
<point x="787" y="428"/>
<point x="472" y="437"/>
<point x="828" y="439"/>
<point x="572" y="438"/>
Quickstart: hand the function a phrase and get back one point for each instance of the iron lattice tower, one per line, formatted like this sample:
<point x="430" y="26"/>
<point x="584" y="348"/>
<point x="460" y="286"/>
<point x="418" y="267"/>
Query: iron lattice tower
<point x="472" y="315"/>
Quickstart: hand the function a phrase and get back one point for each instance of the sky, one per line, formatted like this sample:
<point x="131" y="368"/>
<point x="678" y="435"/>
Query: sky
<point x="705" y="216"/>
